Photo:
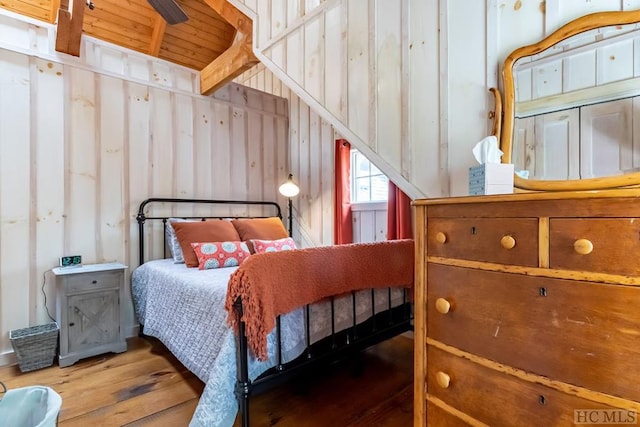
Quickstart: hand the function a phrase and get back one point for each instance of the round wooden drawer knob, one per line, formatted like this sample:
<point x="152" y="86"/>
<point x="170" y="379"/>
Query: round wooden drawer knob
<point x="441" y="237"/>
<point x="443" y="379"/>
<point x="508" y="242"/>
<point x="583" y="246"/>
<point x="443" y="306"/>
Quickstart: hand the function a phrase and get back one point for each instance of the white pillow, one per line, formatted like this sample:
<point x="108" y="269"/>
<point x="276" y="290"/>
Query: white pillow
<point x="172" y="239"/>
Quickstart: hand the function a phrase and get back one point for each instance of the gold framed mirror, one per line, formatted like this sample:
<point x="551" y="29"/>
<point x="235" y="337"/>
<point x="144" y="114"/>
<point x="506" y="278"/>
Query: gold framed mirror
<point x="569" y="105"/>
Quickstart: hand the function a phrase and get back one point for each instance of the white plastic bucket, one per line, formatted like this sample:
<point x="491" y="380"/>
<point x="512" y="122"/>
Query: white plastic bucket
<point x="34" y="406"/>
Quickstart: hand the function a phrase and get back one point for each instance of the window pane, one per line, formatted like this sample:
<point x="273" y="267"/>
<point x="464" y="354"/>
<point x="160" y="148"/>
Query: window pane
<point x="379" y="187"/>
<point x="368" y="183"/>
<point x="362" y="165"/>
<point x="375" y="170"/>
<point x="362" y="189"/>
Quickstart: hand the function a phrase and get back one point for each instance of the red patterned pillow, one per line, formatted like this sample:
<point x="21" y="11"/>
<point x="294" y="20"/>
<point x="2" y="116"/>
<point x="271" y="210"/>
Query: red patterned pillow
<point x="260" y="246"/>
<point x="220" y="254"/>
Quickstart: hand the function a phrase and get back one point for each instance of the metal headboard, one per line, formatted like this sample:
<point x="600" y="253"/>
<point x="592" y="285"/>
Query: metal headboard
<point x="142" y="217"/>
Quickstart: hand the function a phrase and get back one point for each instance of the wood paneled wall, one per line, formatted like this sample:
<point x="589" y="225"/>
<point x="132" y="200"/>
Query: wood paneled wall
<point x="83" y="143"/>
<point x="407" y="82"/>
<point x="311" y="160"/>
<point x="353" y="63"/>
<point x="523" y="23"/>
<point x="312" y="164"/>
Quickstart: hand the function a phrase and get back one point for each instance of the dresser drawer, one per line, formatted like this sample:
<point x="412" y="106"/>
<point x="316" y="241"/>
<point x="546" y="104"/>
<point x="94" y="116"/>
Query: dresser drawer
<point x="504" y="241"/>
<point x="438" y="417"/>
<point x="78" y="283"/>
<point x="595" y="244"/>
<point x="582" y="333"/>
<point x="496" y="398"/>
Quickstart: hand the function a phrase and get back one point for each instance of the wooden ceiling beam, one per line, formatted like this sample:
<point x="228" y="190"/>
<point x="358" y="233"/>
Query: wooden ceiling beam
<point x="233" y="16"/>
<point x="235" y="60"/>
<point x="157" y="36"/>
<point x="69" y="34"/>
<point x="230" y="64"/>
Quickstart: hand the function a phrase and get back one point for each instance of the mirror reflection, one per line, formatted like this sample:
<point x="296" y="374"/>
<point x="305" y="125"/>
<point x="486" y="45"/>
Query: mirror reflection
<point x="596" y="140"/>
<point x="571" y="106"/>
<point x="575" y="107"/>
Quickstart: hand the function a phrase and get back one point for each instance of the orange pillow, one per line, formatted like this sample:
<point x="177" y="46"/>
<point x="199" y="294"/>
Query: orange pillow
<point x="260" y="228"/>
<point x="215" y="230"/>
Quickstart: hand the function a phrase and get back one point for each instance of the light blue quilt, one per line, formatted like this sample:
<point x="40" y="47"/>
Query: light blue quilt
<point x="184" y="308"/>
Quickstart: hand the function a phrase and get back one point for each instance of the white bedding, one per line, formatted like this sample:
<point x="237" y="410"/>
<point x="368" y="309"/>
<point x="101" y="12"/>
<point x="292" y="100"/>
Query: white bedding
<point x="184" y="308"/>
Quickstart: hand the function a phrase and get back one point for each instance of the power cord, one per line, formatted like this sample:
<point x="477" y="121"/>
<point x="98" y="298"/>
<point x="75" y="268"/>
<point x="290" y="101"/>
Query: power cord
<point x="44" y="281"/>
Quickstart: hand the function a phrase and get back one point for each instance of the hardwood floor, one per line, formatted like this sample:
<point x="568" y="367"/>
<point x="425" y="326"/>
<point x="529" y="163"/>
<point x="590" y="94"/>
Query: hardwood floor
<point x="147" y="386"/>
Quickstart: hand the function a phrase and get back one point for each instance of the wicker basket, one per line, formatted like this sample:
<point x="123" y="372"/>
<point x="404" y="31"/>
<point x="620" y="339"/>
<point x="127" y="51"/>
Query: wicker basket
<point x="35" y="347"/>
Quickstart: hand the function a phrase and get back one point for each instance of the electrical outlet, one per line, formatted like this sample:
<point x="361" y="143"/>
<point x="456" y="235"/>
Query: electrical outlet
<point x="71" y="261"/>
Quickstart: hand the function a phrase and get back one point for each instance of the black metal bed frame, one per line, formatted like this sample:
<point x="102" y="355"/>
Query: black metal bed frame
<point x="338" y="345"/>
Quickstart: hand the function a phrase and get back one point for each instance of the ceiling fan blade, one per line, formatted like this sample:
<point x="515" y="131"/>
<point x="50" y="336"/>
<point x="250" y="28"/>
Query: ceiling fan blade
<point x="170" y="11"/>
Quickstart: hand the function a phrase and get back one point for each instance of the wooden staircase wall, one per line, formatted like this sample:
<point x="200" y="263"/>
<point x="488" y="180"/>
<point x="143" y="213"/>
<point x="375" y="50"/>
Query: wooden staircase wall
<point x="354" y="63"/>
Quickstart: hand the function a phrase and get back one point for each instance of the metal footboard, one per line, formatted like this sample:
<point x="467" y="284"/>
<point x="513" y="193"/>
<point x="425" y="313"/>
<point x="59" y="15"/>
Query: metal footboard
<point x="338" y="345"/>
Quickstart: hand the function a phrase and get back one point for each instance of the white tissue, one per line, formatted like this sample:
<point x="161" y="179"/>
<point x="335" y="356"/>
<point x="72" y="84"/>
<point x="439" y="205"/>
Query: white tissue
<point x="487" y="151"/>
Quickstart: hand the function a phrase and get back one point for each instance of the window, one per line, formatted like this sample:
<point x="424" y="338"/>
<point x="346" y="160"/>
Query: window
<point x="368" y="183"/>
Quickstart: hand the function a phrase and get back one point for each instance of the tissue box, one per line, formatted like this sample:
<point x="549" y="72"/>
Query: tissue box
<point x="491" y="178"/>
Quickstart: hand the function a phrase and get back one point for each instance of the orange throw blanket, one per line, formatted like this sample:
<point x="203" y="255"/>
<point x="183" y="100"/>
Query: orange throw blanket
<point x="275" y="283"/>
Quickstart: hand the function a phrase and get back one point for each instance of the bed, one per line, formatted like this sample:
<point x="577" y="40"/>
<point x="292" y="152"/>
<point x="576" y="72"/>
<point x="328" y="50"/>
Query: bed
<point x="242" y="329"/>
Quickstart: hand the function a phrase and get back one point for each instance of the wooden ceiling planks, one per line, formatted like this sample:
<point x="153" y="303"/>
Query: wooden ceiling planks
<point x="39" y="10"/>
<point x="203" y="35"/>
<point x="191" y="57"/>
<point x="135" y="25"/>
<point x="115" y="23"/>
<point x="139" y="12"/>
<point x="53" y="10"/>
<point x="197" y="42"/>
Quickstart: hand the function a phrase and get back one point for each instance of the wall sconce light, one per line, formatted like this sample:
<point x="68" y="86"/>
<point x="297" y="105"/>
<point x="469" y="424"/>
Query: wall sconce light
<point x="289" y="189"/>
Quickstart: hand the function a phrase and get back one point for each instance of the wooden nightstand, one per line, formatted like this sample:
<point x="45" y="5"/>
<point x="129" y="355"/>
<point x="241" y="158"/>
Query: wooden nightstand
<point x="88" y="310"/>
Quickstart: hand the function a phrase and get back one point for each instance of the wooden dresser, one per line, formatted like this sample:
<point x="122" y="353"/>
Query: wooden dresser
<point x="528" y="309"/>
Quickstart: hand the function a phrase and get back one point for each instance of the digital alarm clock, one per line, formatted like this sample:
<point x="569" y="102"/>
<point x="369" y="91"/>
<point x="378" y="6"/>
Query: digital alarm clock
<point x="71" y="261"/>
